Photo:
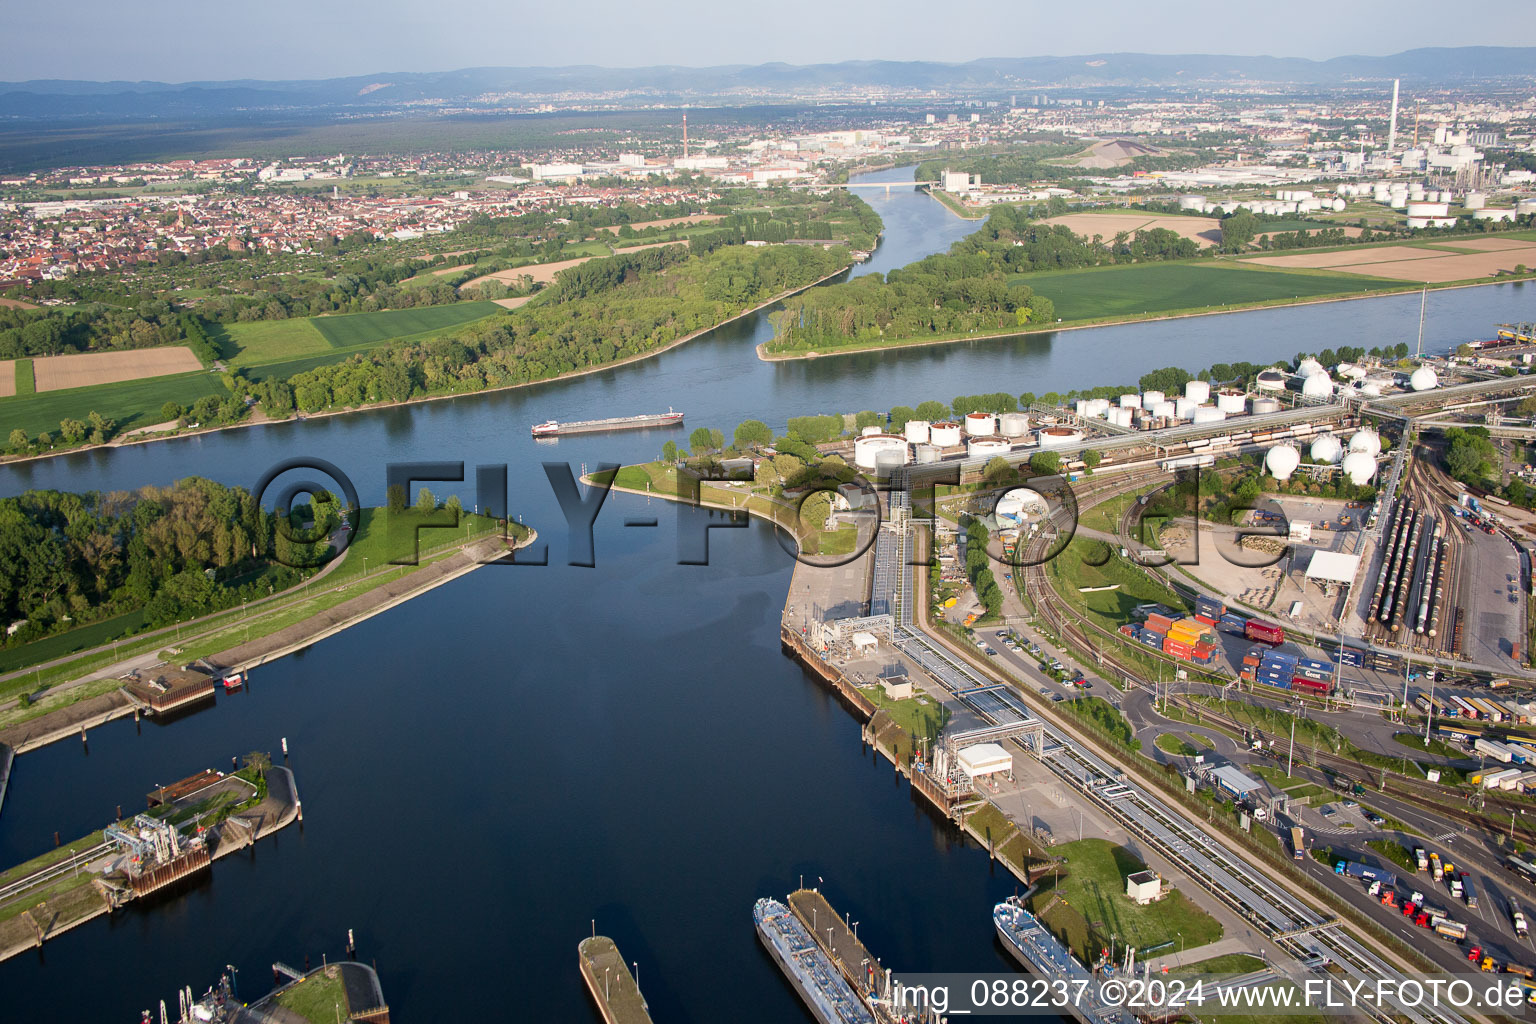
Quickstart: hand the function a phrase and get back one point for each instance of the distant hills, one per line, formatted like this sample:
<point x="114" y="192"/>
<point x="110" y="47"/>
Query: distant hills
<point x="497" y="87"/>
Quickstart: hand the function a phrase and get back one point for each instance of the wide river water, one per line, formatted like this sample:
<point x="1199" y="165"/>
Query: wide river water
<point x="491" y="767"/>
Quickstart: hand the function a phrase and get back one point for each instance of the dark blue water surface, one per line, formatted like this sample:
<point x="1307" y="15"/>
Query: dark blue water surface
<point x="490" y="767"/>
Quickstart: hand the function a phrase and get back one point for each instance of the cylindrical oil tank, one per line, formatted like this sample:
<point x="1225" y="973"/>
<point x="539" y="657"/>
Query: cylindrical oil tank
<point x="1197" y="391"/>
<point x="1081" y="408"/>
<point x="945" y="435"/>
<point x="1120" y="417"/>
<point x="1261" y="406"/>
<point x="1184" y="408"/>
<point x="1208" y="414"/>
<point x="870" y="431"/>
<point x="1059" y="437"/>
<point x="867" y="449"/>
<point x="1427" y="209"/>
<point x="987" y="447"/>
<point x="1230" y="400"/>
<point x="889" y="462"/>
<point x="916" y="431"/>
<point x="980" y="424"/>
<point x="926" y="454"/>
<point x="1130" y="401"/>
<point x="1013" y="424"/>
<point x="1271" y="380"/>
<point x="1475" y="201"/>
<point x="1151" y="398"/>
<point x="1191" y="202"/>
<point x="1098" y="407"/>
<point x="1165" y="410"/>
<point x="1525" y="206"/>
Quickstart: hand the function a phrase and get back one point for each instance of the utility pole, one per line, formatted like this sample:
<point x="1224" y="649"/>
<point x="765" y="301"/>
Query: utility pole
<point x="1291" y="757"/>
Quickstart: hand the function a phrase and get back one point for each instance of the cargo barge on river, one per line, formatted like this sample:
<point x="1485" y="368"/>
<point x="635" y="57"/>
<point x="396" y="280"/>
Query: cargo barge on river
<point x="826" y="992"/>
<point x="1037" y="949"/>
<point x="554" y="428"/>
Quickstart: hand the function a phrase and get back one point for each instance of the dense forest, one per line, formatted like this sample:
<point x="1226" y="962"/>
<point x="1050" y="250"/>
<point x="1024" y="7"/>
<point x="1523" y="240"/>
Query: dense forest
<point x="977" y="286"/>
<point x="173" y="552"/>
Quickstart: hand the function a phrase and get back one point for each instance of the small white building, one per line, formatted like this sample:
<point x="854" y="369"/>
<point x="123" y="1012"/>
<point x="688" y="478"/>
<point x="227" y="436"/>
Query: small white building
<point x="982" y="759"/>
<point x="1144" y="887"/>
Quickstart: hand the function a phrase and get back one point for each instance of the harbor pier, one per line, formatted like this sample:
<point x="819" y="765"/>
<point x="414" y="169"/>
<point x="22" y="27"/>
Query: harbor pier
<point x="613" y="988"/>
<point x="837" y="939"/>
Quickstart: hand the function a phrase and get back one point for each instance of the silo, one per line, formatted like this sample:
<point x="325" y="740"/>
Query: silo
<point x="1184" y="408"/>
<point x="1197" y="391"/>
<point x="1013" y="424"/>
<point x="1231" y="401"/>
<point x="1208" y="414"/>
<point x="916" y="431"/>
<point x="927" y="454"/>
<point x="1262" y="406"/>
<point x="980" y="424"/>
<point x="1151" y="398"/>
<point x="945" y="435"/>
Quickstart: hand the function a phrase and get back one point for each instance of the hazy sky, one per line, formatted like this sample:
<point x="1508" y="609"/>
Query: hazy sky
<point x="182" y="40"/>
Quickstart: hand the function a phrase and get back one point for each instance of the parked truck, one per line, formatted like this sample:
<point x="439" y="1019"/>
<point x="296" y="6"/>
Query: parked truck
<point x="1421" y="857"/>
<point x="1298" y="843"/>
<point x="1468" y="893"/>
<point x="1434" y="867"/>
<point x="1517" y="917"/>
<point x="1451" y="929"/>
<point x="1365" y="872"/>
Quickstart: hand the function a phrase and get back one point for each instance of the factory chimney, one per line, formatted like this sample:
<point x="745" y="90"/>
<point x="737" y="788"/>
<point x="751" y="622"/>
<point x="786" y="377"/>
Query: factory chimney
<point x="1392" y="127"/>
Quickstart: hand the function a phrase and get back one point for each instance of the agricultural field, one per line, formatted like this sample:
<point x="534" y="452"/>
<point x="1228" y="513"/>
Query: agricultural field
<point x="277" y="341"/>
<point x="1205" y="230"/>
<point x="58" y="373"/>
<point x="1104" y="292"/>
<point x="7" y="378"/>
<point x="132" y="403"/>
<point x="1437" y="261"/>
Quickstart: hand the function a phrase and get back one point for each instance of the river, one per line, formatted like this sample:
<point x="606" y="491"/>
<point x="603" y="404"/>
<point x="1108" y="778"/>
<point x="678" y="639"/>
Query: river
<point x="492" y="766"/>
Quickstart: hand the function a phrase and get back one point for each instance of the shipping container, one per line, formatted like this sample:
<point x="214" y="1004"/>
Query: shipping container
<point x="1204" y="620"/>
<point x="1494" y="749"/>
<point x="1264" y="632"/>
<point x="1210" y="606"/>
<point x="1158" y="622"/>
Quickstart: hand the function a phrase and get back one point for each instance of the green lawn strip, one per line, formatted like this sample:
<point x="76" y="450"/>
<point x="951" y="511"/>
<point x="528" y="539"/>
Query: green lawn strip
<point x="77" y="639"/>
<point x="132" y="403"/>
<point x="1007" y="841"/>
<point x="1389" y="822"/>
<point x="1093" y="883"/>
<point x="919" y="715"/>
<point x="50" y="701"/>
<point x="1292" y="786"/>
<point x="357" y="329"/>
<point x="53" y="856"/>
<point x="269" y="341"/>
<point x="1230" y="963"/>
<point x="1106" y="515"/>
<point x="1180" y="715"/>
<point x="50" y="892"/>
<point x="1415" y="742"/>
<point x="26" y="382"/>
<point x="318" y="998"/>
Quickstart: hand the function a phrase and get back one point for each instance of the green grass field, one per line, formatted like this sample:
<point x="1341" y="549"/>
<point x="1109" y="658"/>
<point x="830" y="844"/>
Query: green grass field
<point x="279" y="341"/>
<point x="78" y="639"/>
<point x="1093" y="884"/>
<point x="1101" y="292"/>
<point x="26" y="383"/>
<point x="132" y="403"/>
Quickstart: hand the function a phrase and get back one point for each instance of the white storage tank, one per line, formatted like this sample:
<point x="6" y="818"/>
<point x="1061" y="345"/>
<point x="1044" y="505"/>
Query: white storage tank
<point x="1327" y="450"/>
<point x="1081" y="408"/>
<point x="1262" y="406"/>
<point x="1120" y="417"/>
<point x="1130" y="401"/>
<point x="1098" y="407"/>
<point x="1231" y="401"/>
<point x="1317" y="386"/>
<point x="1013" y="424"/>
<point x="1197" y="391"/>
<point x="1428" y="209"/>
<point x="1184" y="408"/>
<point x="1151" y="398"/>
<point x="980" y="424"/>
<point x="1191" y="202"/>
<point x="1208" y="414"/>
<point x="1281" y="461"/>
<point x="1359" y="467"/>
<point x="870" y="431"/>
<point x="1475" y="201"/>
<point x="1310" y="367"/>
<point x="888" y="463"/>
<point x="987" y="447"/>
<point x="868" y="448"/>
<point x="1059" y="437"/>
<point x="1271" y="379"/>
<point x="1524" y="207"/>
<point x="1493" y="214"/>
<point x="1423" y="379"/>
<point x="945" y="435"/>
<point x="916" y="431"/>
<point x="1338" y="205"/>
<point x="1366" y="440"/>
<point x="1165" y="410"/>
<point x="926" y="454"/>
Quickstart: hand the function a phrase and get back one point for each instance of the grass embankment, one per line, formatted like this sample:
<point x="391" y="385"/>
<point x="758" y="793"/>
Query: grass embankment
<point x="1093" y="906"/>
<point x="1394" y="852"/>
<point x="1005" y="838"/>
<point x="1415" y="742"/>
<point x="1230" y="963"/>
<point x="1291" y="786"/>
<point x="1106" y="515"/>
<point x="372" y="547"/>
<point x="920" y="716"/>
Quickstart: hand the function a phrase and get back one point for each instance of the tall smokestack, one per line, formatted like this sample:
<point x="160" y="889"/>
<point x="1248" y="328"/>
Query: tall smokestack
<point x="685" y="129"/>
<point x="1392" y="127"/>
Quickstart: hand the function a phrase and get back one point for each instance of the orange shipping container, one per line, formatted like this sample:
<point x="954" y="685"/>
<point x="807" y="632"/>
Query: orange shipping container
<point x="1159" y="623"/>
